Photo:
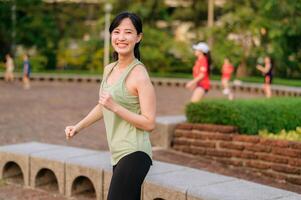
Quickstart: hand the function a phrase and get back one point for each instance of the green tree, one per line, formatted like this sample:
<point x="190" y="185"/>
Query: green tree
<point x="5" y="27"/>
<point x="248" y="29"/>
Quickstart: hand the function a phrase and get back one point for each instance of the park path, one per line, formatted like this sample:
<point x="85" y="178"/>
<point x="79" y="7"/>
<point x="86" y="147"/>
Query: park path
<point x="41" y="114"/>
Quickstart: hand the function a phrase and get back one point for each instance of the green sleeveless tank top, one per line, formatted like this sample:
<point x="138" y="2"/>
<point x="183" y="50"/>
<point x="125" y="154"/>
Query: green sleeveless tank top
<point x="123" y="138"/>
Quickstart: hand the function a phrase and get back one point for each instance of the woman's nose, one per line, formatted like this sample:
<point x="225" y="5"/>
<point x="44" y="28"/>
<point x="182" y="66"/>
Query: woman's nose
<point x="121" y="36"/>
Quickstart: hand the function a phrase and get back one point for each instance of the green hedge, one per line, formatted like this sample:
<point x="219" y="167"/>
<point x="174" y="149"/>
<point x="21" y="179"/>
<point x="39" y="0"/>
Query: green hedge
<point x="249" y="116"/>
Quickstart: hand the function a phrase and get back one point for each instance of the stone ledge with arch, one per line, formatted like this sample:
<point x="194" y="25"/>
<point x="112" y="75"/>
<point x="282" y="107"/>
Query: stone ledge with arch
<point x="77" y="172"/>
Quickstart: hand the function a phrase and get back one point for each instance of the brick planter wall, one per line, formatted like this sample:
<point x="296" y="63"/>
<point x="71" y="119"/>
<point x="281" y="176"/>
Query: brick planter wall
<point x="276" y="159"/>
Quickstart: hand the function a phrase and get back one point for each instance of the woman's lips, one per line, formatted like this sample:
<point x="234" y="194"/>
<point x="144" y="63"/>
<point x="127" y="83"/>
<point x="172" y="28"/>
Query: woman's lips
<point x="121" y="45"/>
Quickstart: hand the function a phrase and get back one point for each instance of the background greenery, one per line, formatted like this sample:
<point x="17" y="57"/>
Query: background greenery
<point x="249" y="116"/>
<point x="69" y="36"/>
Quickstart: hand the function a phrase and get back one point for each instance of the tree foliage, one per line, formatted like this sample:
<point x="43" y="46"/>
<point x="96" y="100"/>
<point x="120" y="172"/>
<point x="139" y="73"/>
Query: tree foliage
<point x="248" y="29"/>
<point x="244" y="31"/>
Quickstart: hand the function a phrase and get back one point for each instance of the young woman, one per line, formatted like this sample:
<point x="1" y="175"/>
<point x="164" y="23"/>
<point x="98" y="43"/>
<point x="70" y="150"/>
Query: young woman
<point x="9" y="65"/>
<point x="201" y="69"/>
<point x="267" y="71"/>
<point x="26" y="72"/>
<point x="227" y="71"/>
<point x="127" y="103"/>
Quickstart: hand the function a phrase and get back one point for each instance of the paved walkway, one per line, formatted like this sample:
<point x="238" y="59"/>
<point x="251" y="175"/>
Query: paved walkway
<point x="41" y="114"/>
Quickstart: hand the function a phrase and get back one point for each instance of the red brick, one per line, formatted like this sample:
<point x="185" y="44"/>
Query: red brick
<point x="248" y="155"/>
<point x="230" y="145"/>
<point x="246" y="138"/>
<point x="257" y="165"/>
<point x="266" y="141"/>
<point x="182" y="133"/>
<point x="178" y="133"/>
<point x="286" y="169"/>
<point x="287" y="152"/>
<point x="275" y="143"/>
<point x="274" y="175"/>
<point x="185" y="126"/>
<point x="295" y="145"/>
<point x="258" y="148"/>
<point x="218" y="153"/>
<point x="272" y="158"/>
<point x="236" y="163"/>
<point x="219" y="136"/>
<point x="295" y="162"/>
<point x="212" y="135"/>
<point x="215" y="128"/>
<point x="198" y="150"/>
<point x="243" y="154"/>
<point x="200" y="134"/>
<point x="201" y="143"/>
<point x="186" y="149"/>
<point x="178" y="147"/>
<point x="294" y="180"/>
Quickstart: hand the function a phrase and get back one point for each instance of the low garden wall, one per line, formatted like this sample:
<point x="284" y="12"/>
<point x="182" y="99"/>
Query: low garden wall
<point x="276" y="159"/>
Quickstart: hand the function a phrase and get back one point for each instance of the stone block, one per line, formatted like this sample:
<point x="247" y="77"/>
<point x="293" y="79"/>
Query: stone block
<point x="15" y="160"/>
<point x="48" y="167"/>
<point x="83" y="169"/>
<point x="107" y="176"/>
<point x="165" y="125"/>
<point x="236" y="190"/>
<point x="168" y="181"/>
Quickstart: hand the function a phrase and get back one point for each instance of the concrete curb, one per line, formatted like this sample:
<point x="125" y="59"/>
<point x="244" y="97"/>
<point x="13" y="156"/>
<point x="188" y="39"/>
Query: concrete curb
<point x="277" y="90"/>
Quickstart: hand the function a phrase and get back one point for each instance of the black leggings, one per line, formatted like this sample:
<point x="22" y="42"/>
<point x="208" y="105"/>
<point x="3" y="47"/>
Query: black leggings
<point x="128" y="176"/>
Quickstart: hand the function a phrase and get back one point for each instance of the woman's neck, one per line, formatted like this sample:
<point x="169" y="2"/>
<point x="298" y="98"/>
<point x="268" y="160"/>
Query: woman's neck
<point x="124" y="61"/>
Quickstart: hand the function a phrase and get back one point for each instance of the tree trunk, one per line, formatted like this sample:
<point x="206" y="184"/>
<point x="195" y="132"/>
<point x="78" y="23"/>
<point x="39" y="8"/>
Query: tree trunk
<point x="242" y="69"/>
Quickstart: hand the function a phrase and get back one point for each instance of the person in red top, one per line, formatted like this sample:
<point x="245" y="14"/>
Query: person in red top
<point x="227" y="71"/>
<point x="201" y="69"/>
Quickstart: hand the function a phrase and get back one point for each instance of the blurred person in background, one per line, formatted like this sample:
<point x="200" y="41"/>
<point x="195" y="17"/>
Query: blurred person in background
<point x="9" y="65"/>
<point x="267" y="71"/>
<point x="227" y="70"/>
<point x="26" y="72"/>
<point x="200" y="84"/>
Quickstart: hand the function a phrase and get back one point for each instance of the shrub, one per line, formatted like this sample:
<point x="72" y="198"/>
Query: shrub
<point x="293" y="135"/>
<point x="249" y="116"/>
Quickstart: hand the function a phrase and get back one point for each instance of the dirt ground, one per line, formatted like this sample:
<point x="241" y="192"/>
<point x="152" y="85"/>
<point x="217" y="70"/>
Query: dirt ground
<point x="41" y="114"/>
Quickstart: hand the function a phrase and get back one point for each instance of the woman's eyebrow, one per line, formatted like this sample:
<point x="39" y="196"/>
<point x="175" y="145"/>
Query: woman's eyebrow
<point x="128" y="29"/>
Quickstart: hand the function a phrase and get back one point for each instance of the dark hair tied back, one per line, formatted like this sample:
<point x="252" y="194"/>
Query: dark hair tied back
<point x="137" y="24"/>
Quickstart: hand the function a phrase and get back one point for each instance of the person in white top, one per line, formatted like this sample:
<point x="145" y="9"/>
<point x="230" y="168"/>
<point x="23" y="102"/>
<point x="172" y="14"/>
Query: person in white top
<point x="9" y="65"/>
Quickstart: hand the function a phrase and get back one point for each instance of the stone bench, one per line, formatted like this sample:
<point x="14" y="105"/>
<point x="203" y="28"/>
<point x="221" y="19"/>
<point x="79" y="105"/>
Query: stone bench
<point x="95" y="168"/>
<point x="47" y="168"/>
<point x="15" y="160"/>
<point x="163" y="133"/>
<point x="88" y="173"/>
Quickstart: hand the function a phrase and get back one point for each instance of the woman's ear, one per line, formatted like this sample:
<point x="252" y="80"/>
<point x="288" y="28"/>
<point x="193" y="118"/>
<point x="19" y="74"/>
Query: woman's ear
<point x="140" y="35"/>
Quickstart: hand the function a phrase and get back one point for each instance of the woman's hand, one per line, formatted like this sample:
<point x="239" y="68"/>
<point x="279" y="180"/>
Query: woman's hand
<point x="106" y="100"/>
<point x="70" y="131"/>
<point x="191" y="85"/>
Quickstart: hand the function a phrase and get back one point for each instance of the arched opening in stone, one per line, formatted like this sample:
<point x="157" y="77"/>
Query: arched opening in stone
<point x="82" y="187"/>
<point x="46" y="180"/>
<point x="12" y="173"/>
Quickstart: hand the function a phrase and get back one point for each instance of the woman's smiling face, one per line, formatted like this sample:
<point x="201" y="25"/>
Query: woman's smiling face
<point x="124" y="37"/>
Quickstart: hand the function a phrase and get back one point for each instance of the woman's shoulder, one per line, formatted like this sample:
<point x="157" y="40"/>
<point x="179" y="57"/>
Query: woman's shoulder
<point x="139" y="69"/>
<point x="108" y="67"/>
<point x="139" y="72"/>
